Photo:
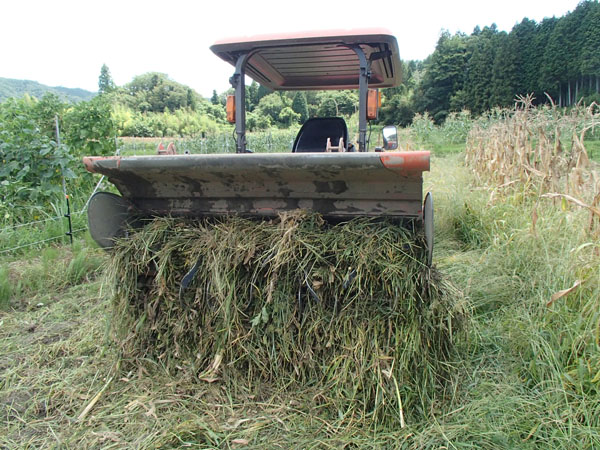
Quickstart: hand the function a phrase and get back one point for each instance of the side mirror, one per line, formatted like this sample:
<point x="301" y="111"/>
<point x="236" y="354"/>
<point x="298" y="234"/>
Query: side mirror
<point x="390" y="137"/>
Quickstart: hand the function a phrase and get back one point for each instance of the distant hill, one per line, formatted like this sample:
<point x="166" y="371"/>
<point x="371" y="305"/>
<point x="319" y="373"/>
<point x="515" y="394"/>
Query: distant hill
<point x="17" y="88"/>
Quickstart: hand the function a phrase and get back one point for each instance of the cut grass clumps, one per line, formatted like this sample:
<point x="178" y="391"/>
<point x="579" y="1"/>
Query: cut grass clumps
<point x="347" y="311"/>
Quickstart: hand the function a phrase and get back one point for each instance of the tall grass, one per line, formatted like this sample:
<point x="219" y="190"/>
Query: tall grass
<point x="53" y="268"/>
<point x="6" y="288"/>
<point x="532" y="272"/>
<point x="530" y="377"/>
<point x="43" y="230"/>
<point x="449" y="137"/>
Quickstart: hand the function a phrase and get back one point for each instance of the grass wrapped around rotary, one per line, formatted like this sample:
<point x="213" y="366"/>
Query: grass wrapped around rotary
<point x="347" y="310"/>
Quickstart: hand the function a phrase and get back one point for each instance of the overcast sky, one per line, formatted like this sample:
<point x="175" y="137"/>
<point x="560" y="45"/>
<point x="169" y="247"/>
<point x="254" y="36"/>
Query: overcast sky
<point x="65" y="43"/>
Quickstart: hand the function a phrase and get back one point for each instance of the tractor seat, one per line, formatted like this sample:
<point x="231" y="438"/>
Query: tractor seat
<point x="313" y="135"/>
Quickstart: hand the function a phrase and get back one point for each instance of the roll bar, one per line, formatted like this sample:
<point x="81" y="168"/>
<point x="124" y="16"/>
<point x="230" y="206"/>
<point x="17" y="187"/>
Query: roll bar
<point x="237" y="81"/>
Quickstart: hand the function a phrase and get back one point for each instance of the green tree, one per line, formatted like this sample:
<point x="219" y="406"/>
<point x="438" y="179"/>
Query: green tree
<point x="562" y="55"/>
<point x="525" y="57"/>
<point x="261" y="92"/>
<point x="312" y="102"/>
<point x="300" y="106"/>
<point x="271" y="105"/>
<point x="478" y="83"/>
<point x="399" y="105"/>
<point x="215" y="98"/>
<point x="589" y="66"/>
<point x="489" y="68"/>
<point x="287" y="116"/>
<point x="155" y="92"/>
<point x="337" y="103"/>
<point x="105" y="81"/>
<point x="444" y="75"/>
<point x="538" y="72"/>
<point x="257" y="121"/>
<point x="252" y="96"/>
<point x="398" y="109"/>
<point x="191" y="99"/>
<point x="505" y="71"/>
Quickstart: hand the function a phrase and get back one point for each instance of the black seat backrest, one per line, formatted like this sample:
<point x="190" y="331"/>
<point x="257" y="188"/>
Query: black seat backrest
<point x="313" y="135"/>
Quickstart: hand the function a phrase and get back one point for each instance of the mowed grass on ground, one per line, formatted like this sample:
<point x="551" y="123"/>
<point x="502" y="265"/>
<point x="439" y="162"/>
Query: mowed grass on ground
<point x="527" y="375"/>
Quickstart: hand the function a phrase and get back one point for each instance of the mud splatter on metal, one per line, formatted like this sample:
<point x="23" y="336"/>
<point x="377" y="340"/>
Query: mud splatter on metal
<point x="337" y="185"/>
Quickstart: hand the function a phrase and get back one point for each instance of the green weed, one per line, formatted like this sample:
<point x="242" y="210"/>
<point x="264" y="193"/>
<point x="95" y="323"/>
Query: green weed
<point x="6" y="288"/>
<point x="593" y="149"/>
<point x="222" y="142"/>
<point x="84" y="265"/>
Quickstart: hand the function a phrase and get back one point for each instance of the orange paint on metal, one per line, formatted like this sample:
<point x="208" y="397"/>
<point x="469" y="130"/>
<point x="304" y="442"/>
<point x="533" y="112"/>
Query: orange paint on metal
<point x="406" y="161"/>
<point x="315" y="65"/>
<point x="88" y="161"/>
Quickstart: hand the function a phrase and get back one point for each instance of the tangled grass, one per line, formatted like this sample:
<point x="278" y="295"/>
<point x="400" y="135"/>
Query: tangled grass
<point x="347" y="310"/>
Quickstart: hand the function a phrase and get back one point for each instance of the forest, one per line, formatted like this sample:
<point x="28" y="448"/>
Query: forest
<point x="556" y="60"/>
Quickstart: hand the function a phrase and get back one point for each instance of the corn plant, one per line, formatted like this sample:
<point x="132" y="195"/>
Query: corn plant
<point x="540" y="149"/>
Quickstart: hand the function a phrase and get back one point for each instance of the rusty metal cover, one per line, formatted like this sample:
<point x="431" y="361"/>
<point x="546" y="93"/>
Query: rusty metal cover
<point x="316" y="60"/>
<point x="337" y="185"/>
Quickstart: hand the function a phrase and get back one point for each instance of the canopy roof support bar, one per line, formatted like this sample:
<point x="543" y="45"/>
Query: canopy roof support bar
<point x="363" y="87"/>
<point x="239" y="85"/>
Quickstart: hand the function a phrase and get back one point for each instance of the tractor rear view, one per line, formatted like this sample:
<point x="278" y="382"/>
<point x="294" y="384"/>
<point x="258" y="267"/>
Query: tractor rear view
<point x="324" y="173"/>
<point x="308" y="269"/>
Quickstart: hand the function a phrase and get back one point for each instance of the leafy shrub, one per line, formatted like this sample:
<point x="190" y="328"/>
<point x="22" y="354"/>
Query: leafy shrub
<point x="179" y="123"/>
<point x="33" y="164"/>
<point x="454" y="130"/>
<point x="90" y="129"/>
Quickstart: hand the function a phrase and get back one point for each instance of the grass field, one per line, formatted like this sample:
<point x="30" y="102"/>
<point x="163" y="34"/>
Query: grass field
<point x="527" y="376"/>
<point x="593" y="148"/>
